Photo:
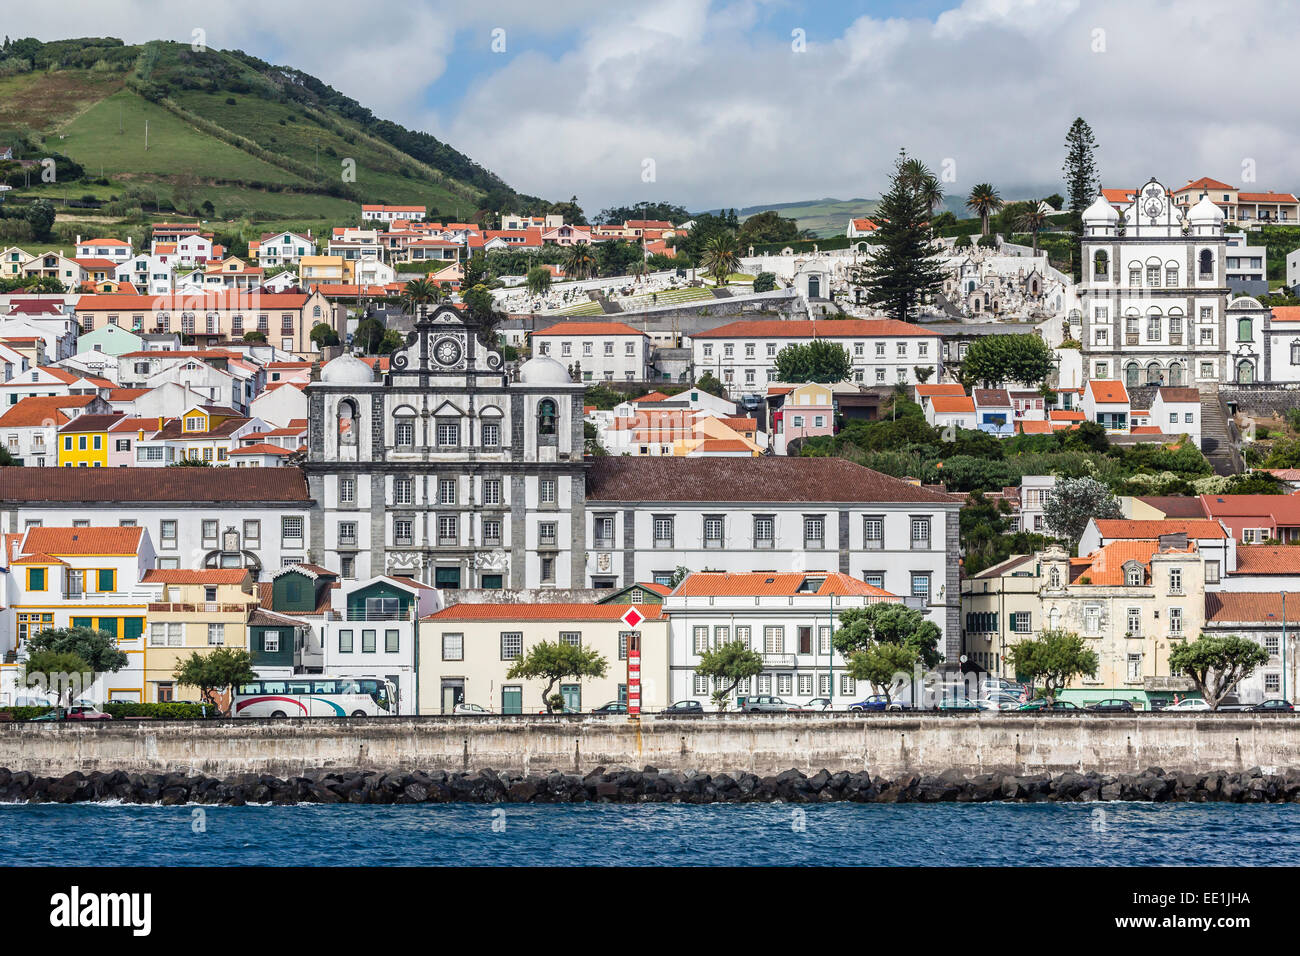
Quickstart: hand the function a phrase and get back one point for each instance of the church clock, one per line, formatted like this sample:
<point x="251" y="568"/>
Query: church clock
<point x="447" y="351"/>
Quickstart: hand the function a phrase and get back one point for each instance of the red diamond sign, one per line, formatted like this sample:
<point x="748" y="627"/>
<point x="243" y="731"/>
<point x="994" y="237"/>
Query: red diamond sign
<point x="632" y="617"/>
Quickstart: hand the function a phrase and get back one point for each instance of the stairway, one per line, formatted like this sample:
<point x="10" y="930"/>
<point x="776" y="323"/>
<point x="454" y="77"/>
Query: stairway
<point x="1216" y="435"/>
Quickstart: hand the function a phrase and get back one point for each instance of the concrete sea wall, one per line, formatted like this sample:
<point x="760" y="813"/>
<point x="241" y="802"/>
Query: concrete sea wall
<point x="882" y="744"/>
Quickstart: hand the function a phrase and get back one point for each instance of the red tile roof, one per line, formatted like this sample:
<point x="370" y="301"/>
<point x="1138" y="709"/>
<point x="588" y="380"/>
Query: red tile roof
<point x="66" y="541"/>
<point x="1268" y="559"/>
<point x="1250" y="607"/>
<point x="263" y="449"/>
<point x="1266" y="197"/>
<point x="1151" y="528"/>
<point x="775" y="584"/>
<point x="1205" y="182"/>
<point x="91" y="423"/>
<point x="43" y="410"/>
<point x="1105" y="566"/>
<point x="589" y="328"/>
<point x="766" y="478"/>
<point x="205" y="576"/>
<point x="1282" y="509"/>
<point x="1286" y="313"/>
<point x="1108" y="392"/>
<point x="1065" y="415"/>
<point x="541" y="612"/>
<point x="952" y="390"/>
<point x="181" y="302"/>
<point x="951" y="404"/>
<point x="1176" y="506"/>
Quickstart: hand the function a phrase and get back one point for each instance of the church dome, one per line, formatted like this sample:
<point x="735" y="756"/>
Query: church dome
<point x="544" y="370"/>
<point x="1100" y="211"/>
<point x="347" y="369"/>
<point x="1205" y="212"/>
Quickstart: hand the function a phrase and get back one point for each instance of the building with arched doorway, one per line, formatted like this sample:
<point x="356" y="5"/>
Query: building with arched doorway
<point x="446" y="470"/>
<point x="1154" y="295"/>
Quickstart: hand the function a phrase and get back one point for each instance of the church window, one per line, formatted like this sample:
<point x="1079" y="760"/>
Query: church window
<point x="1206" y="260"/>
<point x="1295" y="352"/>
<point x="1244" y="330"/>
<point x="347" y="422"/>
<point x="1100" y="265"/>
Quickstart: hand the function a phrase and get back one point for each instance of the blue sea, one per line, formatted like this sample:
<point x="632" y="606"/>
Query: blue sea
<point x="1110" y="834"/>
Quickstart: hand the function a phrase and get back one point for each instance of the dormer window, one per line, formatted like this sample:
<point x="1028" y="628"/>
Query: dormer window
<point x="194" y="423"/>
<point x="1133" y="576"/>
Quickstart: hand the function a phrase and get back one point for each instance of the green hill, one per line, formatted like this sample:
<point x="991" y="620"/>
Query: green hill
<point x="256" y="141"/>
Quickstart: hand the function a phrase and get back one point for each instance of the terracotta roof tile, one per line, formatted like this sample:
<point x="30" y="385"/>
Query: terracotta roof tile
<point x="1268" y="559"/>
<point x="951" y="404"/>
<point x="541" y="612"/>
<point x="42" y="410"/>
<point x="1250" y="607"/>
<point x="1121" y="528"/>
<point x="809" y="329"/>
<point x="929" y="391"/>
<point x="1105" y="566"/>
<point x="1108" y="392"/>
<point x="767" y="478"/>
<point x="775" y="584"/>
<point x="125" y="485"/>
<point x="65" y="541"/>
<point x="204" y="576"/>
<point x="1282" y="509"/>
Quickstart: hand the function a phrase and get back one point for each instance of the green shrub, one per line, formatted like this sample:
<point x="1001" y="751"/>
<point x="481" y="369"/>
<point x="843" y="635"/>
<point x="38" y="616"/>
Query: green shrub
<point x="176" y="710"/>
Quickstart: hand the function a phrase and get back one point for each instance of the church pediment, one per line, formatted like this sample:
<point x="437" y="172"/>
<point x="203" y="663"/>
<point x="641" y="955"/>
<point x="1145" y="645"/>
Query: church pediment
<point x="444" y="343"/>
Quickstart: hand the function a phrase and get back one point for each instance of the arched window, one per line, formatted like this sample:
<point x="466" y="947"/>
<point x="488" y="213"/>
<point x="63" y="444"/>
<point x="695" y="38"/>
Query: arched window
<point x="1153" y="272"/>
<point x="546" y="416"/>
<point x="347" y="422"/>
<point x="1154" y="375"/>
<point x="1171" y="273"/>
<point x="1054" y="619"/>
<point x="1100" y="265"/>
<point x="1245" y="372"/>
<point x="1206" y="260"/>
<point x="1245" y="329"/>
<point x="1153" y="325"/>
<point x="1295" y="352"/>
<point x="1131" y="373"/>
<point x="1133" y="577"/>
<point x="1054" y="577"/>
<point x="1176" y="373"/>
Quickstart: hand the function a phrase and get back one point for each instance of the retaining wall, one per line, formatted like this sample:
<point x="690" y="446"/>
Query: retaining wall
<point x="885" y="744"/>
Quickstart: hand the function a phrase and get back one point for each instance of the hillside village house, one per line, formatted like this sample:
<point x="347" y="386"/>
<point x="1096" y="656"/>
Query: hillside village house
<point x="380" y="213"/>
<point x="466" y="651"/>
<point x="29" y="428"/>
<point x="649" y="516"/>
<point x="286" y="319"/>
<point x="276" y="249"/>
<point x="192" y="612"/>
<point x="198" y="517"/>
<point x="787" y="617"/>
<point x="605" y="351"/>
<point x="1238" y="207"/>
<point x="742" y="355"/>
<point x="115" y="250"/>
<point x="77" y="577"/>
<point x="50" y="380"/>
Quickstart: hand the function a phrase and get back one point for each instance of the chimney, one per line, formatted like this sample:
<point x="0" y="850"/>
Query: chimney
<point x="1174" y="541"/>
<point x="78" y="239"/>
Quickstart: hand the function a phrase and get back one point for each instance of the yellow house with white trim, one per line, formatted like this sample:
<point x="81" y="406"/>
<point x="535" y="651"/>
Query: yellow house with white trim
<point x="78" y="577"/>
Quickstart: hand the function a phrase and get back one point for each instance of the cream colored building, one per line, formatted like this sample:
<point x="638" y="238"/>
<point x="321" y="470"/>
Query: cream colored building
<point x="1130" y="600"/>
<point x="466" y="651"/>
<point x="192" y="612"/>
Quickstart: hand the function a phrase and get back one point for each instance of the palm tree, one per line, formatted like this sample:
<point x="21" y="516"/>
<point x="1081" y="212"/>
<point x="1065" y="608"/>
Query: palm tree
<point x="923" y="183"/>
<point x="1032" y="217"/>
<point x="419" y="292"/>
<point x="720" y="257"/>
<point x="983" y="201"/>
<point x="579" y="263"/>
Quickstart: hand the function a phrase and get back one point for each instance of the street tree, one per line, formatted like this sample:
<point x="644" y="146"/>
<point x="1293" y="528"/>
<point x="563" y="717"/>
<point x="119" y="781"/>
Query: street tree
<point x="820" y="360"/>
<point x="1055" y="658"/>
<point x="60" y="672"/>
<point x="728" y="664"/>
<point x="1072" y="503"/>
<point x="1023" y="359"/>
<point x="880" y="665"/>
<point x="98" y="650"/>
<point x="323" y="334"/>
<point x="554" y="661"/>
<point x="215" y="672"/>
<point x="887" y="623"/>
<point x="1217" y="663"/>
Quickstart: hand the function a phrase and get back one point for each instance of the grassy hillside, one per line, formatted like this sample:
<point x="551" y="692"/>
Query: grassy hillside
<point x="258" y="142"/>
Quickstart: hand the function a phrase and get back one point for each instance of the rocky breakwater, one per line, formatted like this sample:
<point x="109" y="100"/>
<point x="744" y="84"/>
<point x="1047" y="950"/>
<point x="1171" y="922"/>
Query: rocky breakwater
<point x="650" y="785"/>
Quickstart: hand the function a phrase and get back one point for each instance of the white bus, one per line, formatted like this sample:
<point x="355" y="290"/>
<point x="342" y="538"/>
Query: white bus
<point x="316" y="697"/>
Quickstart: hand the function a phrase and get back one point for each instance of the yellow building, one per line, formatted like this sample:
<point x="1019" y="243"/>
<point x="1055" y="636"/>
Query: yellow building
<point x="324" y="270"/>
<point x="192" y="612"/>
<point x="83" y="442"/>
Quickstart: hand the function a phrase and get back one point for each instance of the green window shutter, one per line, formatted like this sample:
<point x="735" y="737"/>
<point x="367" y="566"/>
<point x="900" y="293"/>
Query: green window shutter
<point x="105" y="579"/>
<point x="36" y="579"/>
<point x="108" y="625"/>
<point x="133" y="627"/>
<point x="81" y="622"/>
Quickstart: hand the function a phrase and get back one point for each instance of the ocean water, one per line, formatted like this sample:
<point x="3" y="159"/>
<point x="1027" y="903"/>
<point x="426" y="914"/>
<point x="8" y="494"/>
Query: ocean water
<point x="1111" y="834"/>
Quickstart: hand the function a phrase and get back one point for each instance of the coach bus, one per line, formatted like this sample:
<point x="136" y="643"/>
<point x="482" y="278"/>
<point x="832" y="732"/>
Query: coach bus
<point x="316" y="696"/>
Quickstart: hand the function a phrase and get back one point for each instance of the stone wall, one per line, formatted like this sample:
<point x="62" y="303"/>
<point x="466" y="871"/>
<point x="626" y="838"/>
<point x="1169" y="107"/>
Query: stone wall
<point x="884" y="744"/>
<point x="1261" y="401"/>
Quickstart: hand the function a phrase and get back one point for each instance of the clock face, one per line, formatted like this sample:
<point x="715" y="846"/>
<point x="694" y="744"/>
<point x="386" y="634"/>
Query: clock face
<point x="446" y="351"/>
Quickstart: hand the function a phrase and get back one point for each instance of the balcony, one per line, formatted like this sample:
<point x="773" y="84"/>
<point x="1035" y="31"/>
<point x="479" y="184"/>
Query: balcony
<point x="778" y="660"/>
<point x="364" y="614"/>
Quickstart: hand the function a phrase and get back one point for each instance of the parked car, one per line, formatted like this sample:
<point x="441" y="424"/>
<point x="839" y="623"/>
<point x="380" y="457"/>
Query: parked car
<point x="75" y="712"/>
<point x="613" y="707"/>
<point x="959" y="704"/>
<point x="1113" y="706"/>
<point x="1041" y="704"/>
<point x="818" y="703"/>
<point x="993" y="686"/>
<point x="1188" y="705"/>
<point x="684" y="707"/>
<point x="470" y="709"/>
<point x="879" y="702"/>
<point x="1274" y="706"/>
<point x="999" y="702"/>
<point x="767" y="704"/>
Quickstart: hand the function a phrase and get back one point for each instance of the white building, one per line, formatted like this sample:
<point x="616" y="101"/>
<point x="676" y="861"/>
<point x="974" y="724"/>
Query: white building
<point x="281" y="249"/>
<point x="1177" y="411"/>
<point x="742" y="355"/>
<point x="788" y="617"/>
<point x="1154" y="293"/>
<point x="605" y="351"/>
<point x="647" y="517"/>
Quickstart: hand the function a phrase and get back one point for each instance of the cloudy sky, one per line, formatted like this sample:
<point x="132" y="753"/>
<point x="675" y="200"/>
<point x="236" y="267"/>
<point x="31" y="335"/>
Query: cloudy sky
<point x="742" y="102"/>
